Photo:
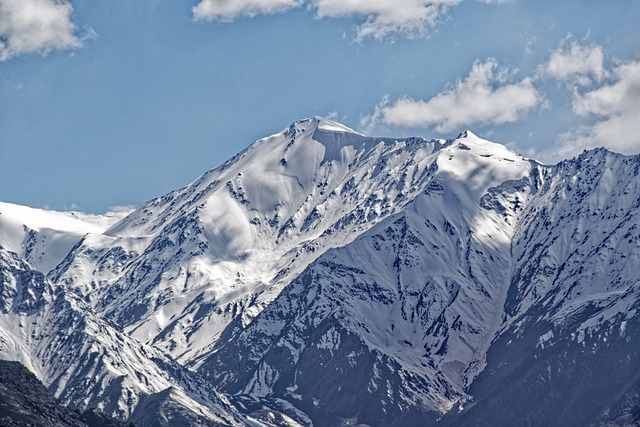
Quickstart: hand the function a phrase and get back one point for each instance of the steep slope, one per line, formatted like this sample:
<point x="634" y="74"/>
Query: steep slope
<point x="205" y="259"/>
<point x="569" y="341"/>
<point x="523" y="274"/>
<point x="393" y="326"/>
<point x="87" y="362"/>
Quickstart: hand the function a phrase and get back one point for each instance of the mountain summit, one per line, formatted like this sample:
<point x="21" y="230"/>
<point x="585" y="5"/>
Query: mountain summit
<point x="326" y="277"/>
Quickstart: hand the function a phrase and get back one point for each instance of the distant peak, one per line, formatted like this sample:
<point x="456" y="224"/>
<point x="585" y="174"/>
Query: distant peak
<point x="467" y="134"/>
<point x="593" y="153"/>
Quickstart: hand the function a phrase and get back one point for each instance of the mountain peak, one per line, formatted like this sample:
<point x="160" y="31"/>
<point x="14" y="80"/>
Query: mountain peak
<point x="318" y="123"/>
<point x="467" y="134"/>
<point x="332" y="126"/>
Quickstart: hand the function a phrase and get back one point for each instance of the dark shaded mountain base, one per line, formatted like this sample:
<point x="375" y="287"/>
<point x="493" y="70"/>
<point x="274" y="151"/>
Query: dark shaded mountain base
<point x="595" y="382"/>
<point x="25" y="401"/>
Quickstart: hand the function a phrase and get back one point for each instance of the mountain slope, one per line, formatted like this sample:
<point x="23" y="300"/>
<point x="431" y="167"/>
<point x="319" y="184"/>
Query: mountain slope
<point x="531" y="283"/>
<point x="411" y="305"/>
<point x="217" y="252"/>
<point x="85" y="361"/>
<point x="569" y="341"/>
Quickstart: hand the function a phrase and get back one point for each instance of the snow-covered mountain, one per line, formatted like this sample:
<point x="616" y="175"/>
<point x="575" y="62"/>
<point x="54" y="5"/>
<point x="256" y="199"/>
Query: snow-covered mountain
<point x="182" y="268"/>
<point x="411" y="305"/>
<point x="88" y="362"/>
<point x="326" y="277"/>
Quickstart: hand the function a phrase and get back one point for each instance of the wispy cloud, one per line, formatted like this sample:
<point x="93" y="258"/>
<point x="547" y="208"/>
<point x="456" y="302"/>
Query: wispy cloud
<point x="497" y="2"/>
<point x="485" y="96"/>
<point x="30" y="26"/>
<point x="380" y="18"/>
<point x="228" y="10"/>
<point x="385" y="17"/>
<point x="119" y="211"/>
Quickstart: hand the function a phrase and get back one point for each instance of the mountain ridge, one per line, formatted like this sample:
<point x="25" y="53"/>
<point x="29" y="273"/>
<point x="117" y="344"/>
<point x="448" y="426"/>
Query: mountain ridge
<point x="327" y="277"/>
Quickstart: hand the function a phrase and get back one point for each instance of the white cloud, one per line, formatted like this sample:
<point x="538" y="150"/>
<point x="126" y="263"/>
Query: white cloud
<point x="483" y="97"/>
<point x="497" y="2"/>
<point x="615" y="111"/>
<point x="227" y="10"/>
<point x="119" y="211"/>
<point x="575" y="63"/>
<point x="28" y="26"/>
<point x="332" y="115"/>
<point x="616" y="98"/>
<point x="368" y="123"/>
<point x="382" y="18"/>
<point x="387" y="17"/>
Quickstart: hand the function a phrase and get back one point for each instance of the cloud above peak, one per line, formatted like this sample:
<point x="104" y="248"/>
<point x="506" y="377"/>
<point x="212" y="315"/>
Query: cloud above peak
<point x="611" y="111"/>
<point x="35" y="26"/>
<point x="485" y="96"/>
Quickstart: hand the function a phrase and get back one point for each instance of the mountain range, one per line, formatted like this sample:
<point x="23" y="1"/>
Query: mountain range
<point x="324" y="277"/>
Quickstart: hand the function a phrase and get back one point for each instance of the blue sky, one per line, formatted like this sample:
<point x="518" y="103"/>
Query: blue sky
<point x="113" y="102"/>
